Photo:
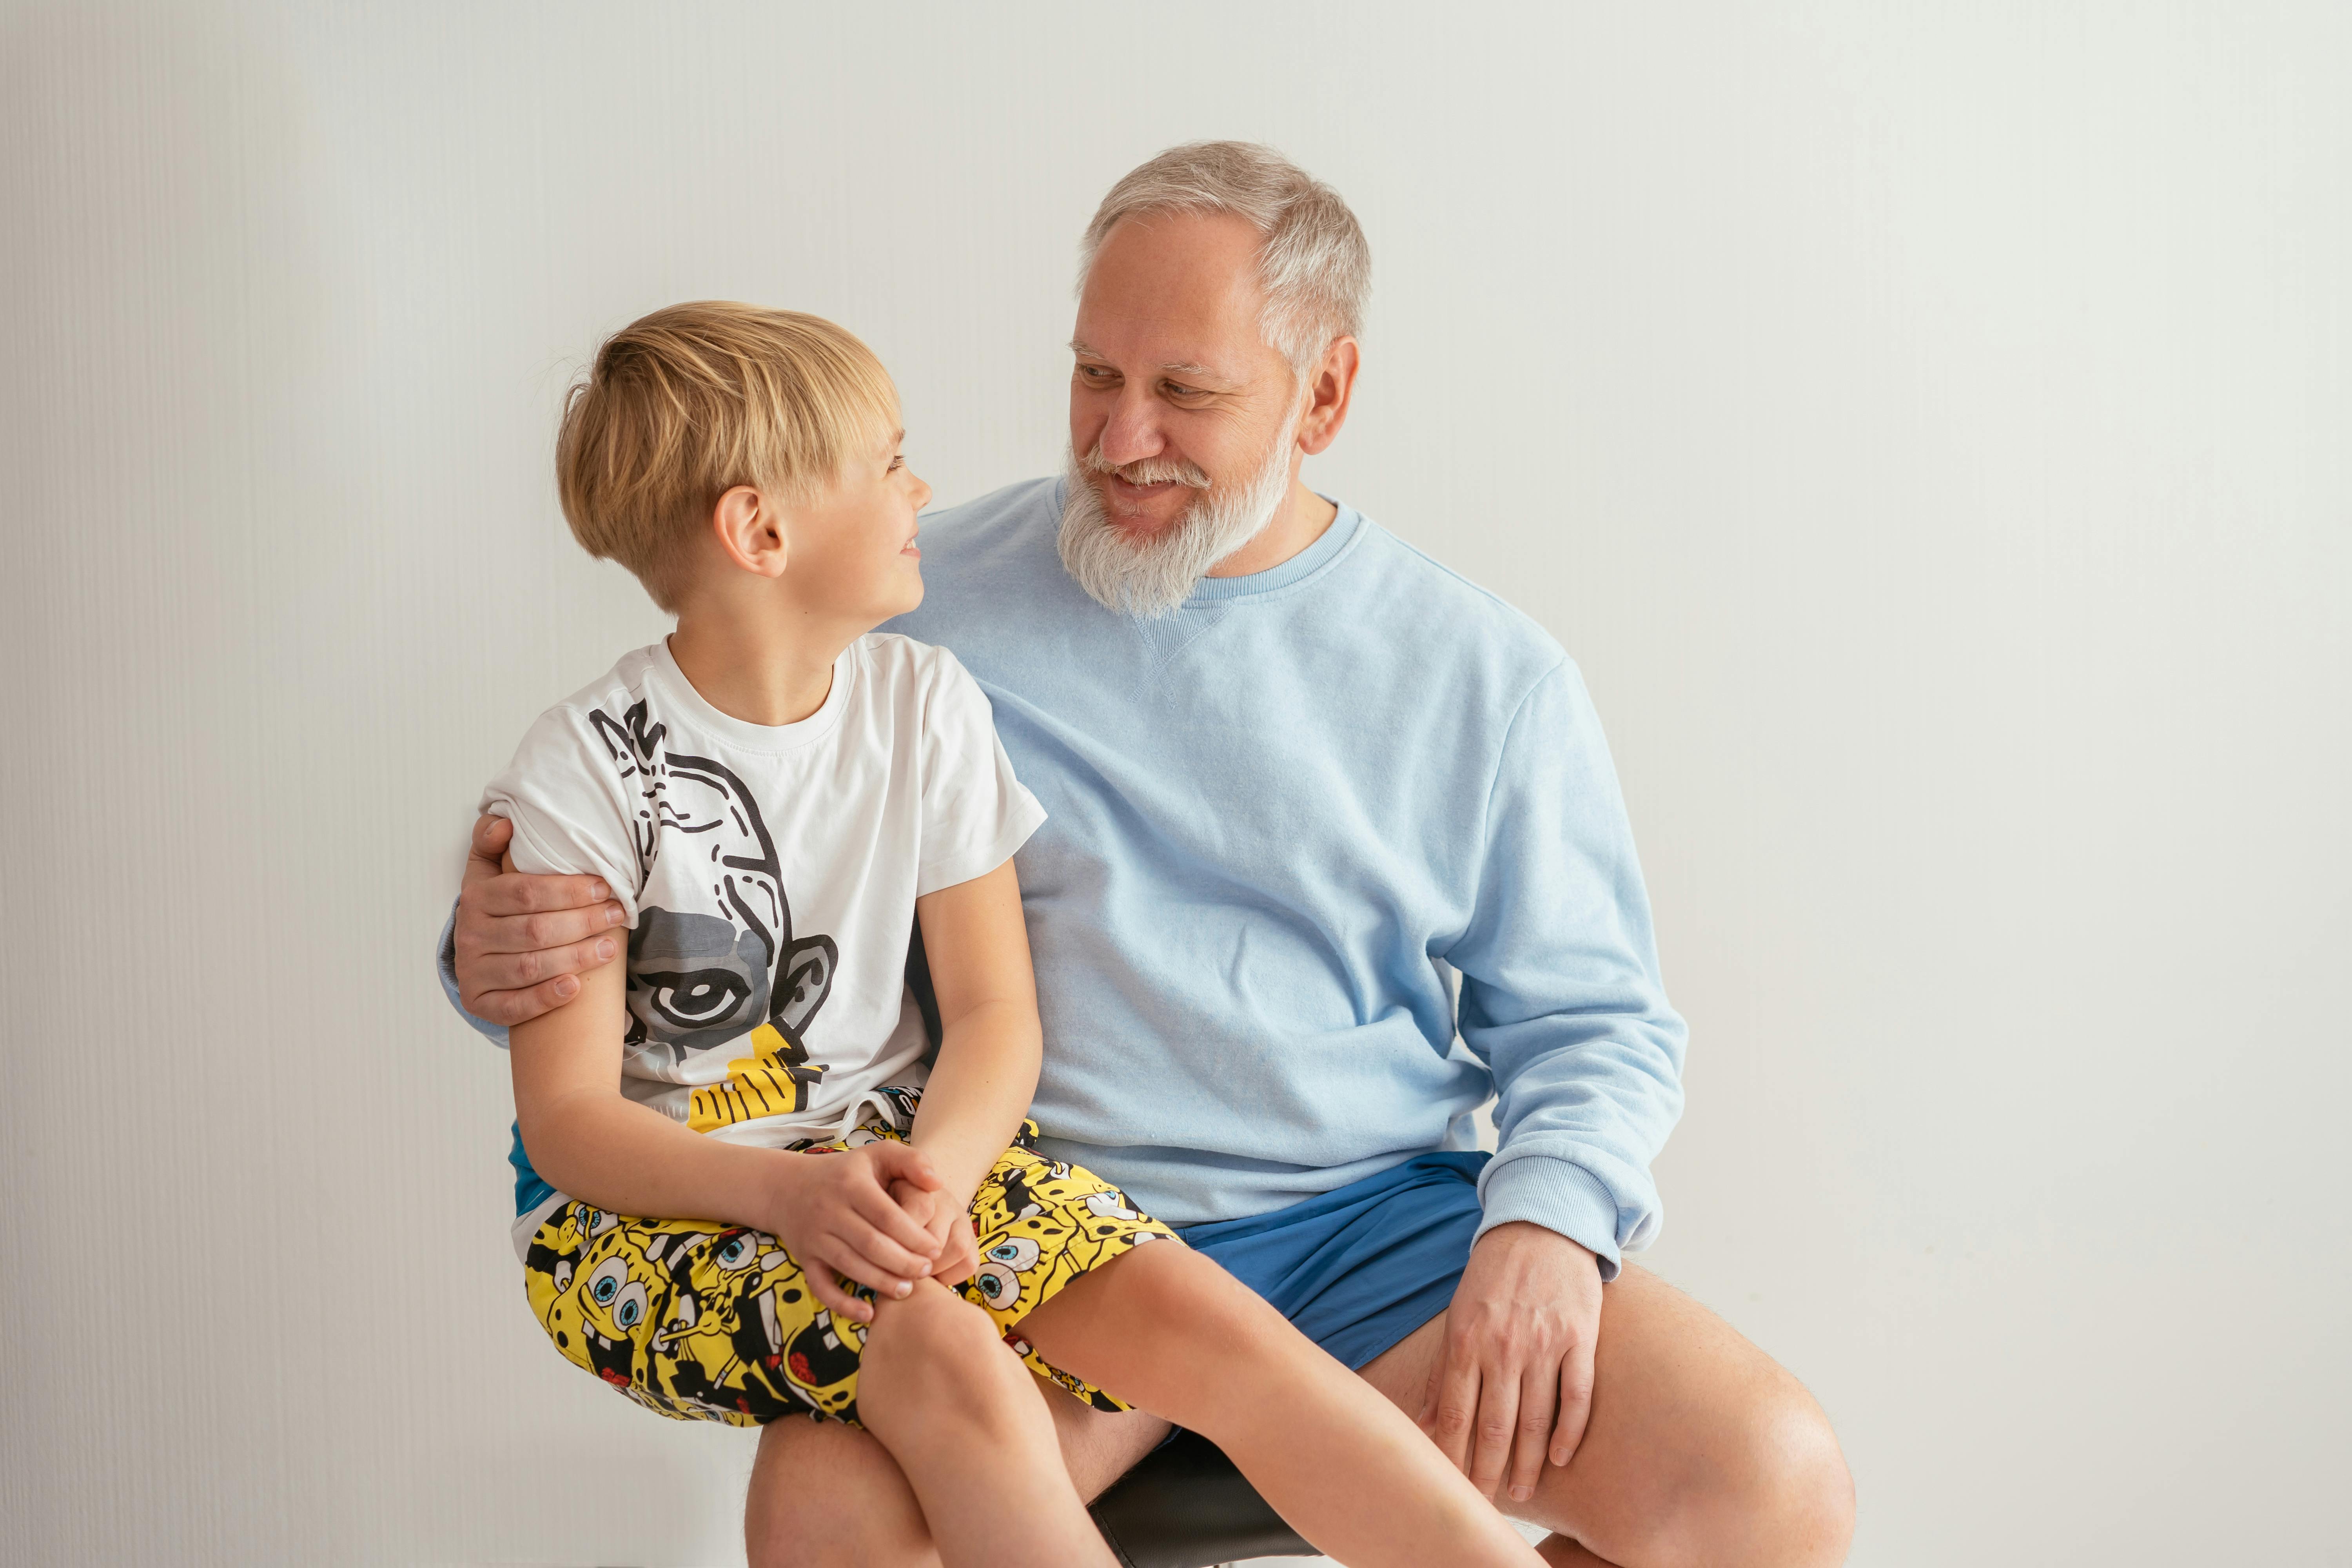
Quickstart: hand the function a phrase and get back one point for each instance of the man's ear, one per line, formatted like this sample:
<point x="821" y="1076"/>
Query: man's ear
<point x="1331" y="386"/>
<point x="751" y="530"/>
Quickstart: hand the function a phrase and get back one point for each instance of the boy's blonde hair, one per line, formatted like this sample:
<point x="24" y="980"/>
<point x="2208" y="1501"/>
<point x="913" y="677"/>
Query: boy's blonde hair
<point x="691" y="401"/>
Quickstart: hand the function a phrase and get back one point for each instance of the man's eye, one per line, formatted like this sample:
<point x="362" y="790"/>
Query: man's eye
<point x="1178" y="389"/>
<point x="1094" y="372"/>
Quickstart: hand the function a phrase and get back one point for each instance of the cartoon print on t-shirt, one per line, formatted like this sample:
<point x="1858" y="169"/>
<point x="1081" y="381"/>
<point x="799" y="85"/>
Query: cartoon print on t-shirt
<point x="701" y="980"/>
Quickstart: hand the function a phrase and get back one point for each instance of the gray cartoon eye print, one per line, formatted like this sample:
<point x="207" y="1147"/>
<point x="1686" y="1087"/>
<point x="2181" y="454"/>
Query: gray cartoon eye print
<point x="695" y="981"/>
<point x="699" y="980"/>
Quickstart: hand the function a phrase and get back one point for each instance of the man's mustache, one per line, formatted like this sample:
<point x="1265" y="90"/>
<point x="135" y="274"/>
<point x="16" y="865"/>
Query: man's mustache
<point x="1151" y="471"/>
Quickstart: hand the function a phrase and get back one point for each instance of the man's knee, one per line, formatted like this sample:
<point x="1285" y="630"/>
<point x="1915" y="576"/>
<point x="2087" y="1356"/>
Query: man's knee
<point x="1782" y="1494"/>
<point x="1760" y="1482"/>
<point x="1702" y="1450"/>
<point x="826" y="1494"/>
<point x="1800" y="1474"/>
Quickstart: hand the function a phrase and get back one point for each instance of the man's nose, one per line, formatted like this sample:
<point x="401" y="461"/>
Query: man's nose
<point x="1131" y="434"/>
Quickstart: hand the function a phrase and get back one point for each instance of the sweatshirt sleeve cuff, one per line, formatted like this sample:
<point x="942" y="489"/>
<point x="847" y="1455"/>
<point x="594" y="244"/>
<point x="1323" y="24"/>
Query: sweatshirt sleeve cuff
<point x="1560" y="1196"/>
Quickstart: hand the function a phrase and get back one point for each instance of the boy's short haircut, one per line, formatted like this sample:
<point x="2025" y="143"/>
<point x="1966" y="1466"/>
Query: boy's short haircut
<point x="691" y="401"/>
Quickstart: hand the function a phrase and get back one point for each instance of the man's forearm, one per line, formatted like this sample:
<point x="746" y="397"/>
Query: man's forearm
<point x="1561" y="995"/>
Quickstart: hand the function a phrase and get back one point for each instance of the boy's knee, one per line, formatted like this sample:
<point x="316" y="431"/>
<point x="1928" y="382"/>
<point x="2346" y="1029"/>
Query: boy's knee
<point x="933" y="1328"/>
<point x="939" y="1354"/>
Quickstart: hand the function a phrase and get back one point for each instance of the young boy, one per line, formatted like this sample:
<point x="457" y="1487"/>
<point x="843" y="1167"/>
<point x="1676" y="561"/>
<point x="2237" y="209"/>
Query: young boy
<point x="749" y="1188"/>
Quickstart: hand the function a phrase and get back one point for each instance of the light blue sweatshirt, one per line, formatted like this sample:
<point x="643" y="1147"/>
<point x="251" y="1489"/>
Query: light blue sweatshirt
<point x="1296" y="836"/>
<point x="1274" y="821"/>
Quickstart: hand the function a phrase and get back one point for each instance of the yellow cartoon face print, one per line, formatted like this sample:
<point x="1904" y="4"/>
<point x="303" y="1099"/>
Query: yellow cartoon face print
<point x="716" y="1322"/>
<point x="613" y="1288"/>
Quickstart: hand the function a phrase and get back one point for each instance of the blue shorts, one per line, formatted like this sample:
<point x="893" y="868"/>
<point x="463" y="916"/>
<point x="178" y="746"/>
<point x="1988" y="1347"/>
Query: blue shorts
<point x="1359" y="1268"/>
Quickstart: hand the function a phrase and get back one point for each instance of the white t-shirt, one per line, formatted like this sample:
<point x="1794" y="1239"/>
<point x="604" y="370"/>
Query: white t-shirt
<point x="770" y="874"/>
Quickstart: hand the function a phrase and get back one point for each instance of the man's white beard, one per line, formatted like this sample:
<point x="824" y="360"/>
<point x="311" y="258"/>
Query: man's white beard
<point x="1149" y="578"/>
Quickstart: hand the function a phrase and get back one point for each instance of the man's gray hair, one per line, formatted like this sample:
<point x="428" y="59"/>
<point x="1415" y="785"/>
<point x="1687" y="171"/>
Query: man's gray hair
<point x="1312" y="261"/>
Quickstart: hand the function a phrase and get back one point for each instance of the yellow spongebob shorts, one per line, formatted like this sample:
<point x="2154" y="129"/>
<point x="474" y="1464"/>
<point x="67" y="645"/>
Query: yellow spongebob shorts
<point x="716" y="1322"/>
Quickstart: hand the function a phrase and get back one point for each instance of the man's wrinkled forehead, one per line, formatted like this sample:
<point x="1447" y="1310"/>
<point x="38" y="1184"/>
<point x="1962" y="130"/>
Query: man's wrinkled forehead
<point x="1176" y="290"/>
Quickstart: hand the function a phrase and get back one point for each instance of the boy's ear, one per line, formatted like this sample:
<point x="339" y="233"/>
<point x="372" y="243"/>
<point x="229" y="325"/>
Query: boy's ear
<point x="750" y="531"/>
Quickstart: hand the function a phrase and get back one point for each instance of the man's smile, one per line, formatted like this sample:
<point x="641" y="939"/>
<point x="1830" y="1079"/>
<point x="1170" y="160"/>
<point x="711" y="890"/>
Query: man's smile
<point x="1128" y="493"/>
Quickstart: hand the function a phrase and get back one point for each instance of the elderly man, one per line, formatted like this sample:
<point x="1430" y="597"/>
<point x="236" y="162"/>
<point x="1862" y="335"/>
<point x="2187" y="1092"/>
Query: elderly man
<point x="1318" y="808"/>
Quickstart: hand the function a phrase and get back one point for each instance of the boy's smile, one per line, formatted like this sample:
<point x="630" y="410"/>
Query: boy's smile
<point x="837" y="565"/>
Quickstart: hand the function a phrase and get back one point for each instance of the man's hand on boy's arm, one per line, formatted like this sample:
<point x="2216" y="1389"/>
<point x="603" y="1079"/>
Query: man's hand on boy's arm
<point x="522" y="940"/>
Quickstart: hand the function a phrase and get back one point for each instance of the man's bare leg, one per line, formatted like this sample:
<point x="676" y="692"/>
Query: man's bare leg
<point x="829" y="1494"/>
<point x="1700" y="1448"/>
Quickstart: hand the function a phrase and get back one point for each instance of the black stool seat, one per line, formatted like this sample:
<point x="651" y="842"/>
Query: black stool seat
<point x="1185" y="1506"/>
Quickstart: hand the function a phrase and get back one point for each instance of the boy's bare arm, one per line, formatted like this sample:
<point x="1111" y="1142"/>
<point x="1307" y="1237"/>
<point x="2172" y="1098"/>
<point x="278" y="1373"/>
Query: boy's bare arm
<point x="990" y="1043"/>
<point x="834" y="1213"/>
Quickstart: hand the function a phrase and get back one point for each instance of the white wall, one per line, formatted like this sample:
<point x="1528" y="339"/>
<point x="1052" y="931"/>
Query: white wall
<point x="1925" y="424"/>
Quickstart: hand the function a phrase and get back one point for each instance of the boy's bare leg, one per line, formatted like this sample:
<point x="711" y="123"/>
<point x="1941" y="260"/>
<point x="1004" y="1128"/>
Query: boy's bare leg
<point x="1165" y="1329"/>
<point x="823" y="1493"/>
<point x="1700" y="1448"/>
<point x="973" y="1435"/>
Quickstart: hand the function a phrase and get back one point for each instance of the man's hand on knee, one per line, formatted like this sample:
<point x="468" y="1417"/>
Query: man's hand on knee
<point x="1513" y="1384"/>
<point x="521" y="939"/>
